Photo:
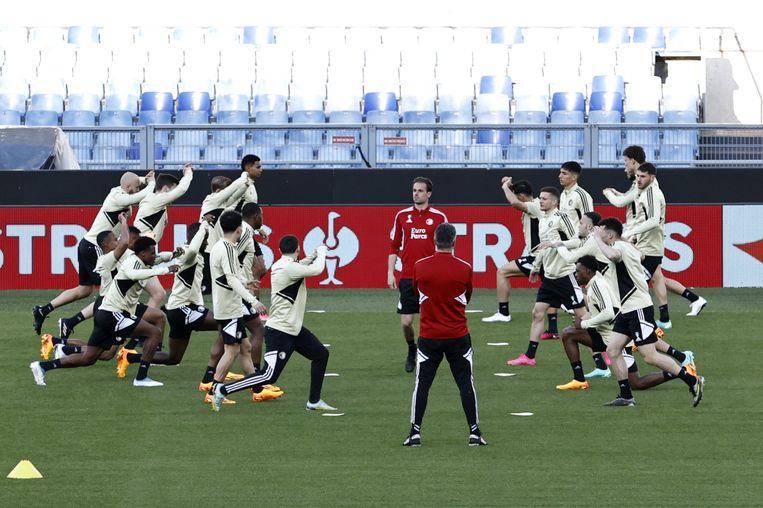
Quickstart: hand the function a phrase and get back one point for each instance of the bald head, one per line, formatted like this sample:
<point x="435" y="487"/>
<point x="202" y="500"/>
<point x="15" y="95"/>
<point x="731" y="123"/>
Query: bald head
<point x="130" y="183"/>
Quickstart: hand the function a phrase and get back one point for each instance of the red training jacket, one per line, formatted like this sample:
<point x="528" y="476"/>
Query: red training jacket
<point x="412" y="235"/>
<point x="444" y="284"/>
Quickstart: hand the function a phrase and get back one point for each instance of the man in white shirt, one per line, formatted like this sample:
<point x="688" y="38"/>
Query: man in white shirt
<point x="284" y="331"/>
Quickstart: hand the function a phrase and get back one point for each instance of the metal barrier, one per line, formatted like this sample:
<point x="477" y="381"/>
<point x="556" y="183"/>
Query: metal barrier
<point x="335" y="146"/>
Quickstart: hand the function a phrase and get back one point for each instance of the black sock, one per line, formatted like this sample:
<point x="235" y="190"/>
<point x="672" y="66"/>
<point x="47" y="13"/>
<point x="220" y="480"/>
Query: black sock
<point x="532" y="348"/>
<point x="76" y="319"/>
<point x="70" y="350"/>
<point x="668" y="376"/>
<point x="134" y="358"/>
<point x="577" y="371"/>
<point x="415" y="429"/>
<point x="678" y="355"/>
<point x="690" y="295"/>
<point x="411" y="348"/>
<point x="598" y="359"/>
<point x="143" y="370"/>
<point x="687" y="378"/>
<point x="46" y="309"/>
<point x="664" y="314"/>
<point x="222" y="390"/>
<point x="46" y="366"/>
<point x="625" y="389"/>
<point x="131" y="344"/>
<point x="475" y="429"/>
<point x="552" y="323"/>
<point x="58" y="340"/>
<point x="503" y="308"/>
<point x="209" y="374"/>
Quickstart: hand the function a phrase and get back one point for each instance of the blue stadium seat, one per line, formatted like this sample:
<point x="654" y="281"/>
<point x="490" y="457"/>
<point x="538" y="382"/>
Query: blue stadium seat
<point x="613" y="35"/>
<point x="489" y="154"/>
<point x="40" y="117"/>
<point x="194" y="101"/>
<point x="115" y="119"/>
<point x="419" y="137"/>
<point x="82" y="35"/>
<point x="84" y="102"/>
<point x="258" y="35"/>
<point x="221" y="157"/>
<point x="157" y="117"/>
<point x="269" y="102"/>
<point x="10" y="117"/>
<point x="679" y="145"/>
<point x="651" y="35"/>
<point x="47" y="102"/>
<point x="455" y="136"/>
<point x="379" y="101"/>
<point x="610" y="83"/>
<point x="121" y="102"/>
<point x="646" y="138"/>
<point x="410" y="154"/>
<point x="344" y="118"/>
<point x="606" y="101"/>
<point x="313" y="137"/>
<point x="191" y="137"/>
<point x="496" y="84"/>
<point x="13" y="102"/>
<point x="506" y="35"/>
<point x="449" y="154"/>
<point x="232" y="102"/>
<point x="157" y="101"/>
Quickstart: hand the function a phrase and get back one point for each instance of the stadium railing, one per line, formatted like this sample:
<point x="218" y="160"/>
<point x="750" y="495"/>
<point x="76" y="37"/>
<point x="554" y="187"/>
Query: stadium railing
<point x="394" y="145"/>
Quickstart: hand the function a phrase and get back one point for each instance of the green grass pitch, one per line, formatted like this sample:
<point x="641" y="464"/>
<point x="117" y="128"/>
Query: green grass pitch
<point x="98" y="441"/>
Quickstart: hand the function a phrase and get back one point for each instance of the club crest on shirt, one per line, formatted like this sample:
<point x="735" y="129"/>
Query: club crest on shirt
<point x="429" y="221"/>
<point x="409" y="219"/>
<point x="569" y="202"/>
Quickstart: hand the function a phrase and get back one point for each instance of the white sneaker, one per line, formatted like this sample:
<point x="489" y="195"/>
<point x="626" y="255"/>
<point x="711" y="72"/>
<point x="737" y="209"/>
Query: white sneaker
<point x="497" y="318"/>
<point x="58" y="351"/>
<point x="146" y="382"/>
<point x="320" y="406"/>
<point x="696" y="307"/>
<point x="38" y="373"/>
<point x="218" y="398"/>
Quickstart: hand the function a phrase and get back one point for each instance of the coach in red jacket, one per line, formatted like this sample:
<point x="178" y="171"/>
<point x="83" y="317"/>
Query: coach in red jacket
<point x="444" y="286"/>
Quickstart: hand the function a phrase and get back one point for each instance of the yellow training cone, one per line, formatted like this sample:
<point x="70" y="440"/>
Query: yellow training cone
<point x="24" y="470"/>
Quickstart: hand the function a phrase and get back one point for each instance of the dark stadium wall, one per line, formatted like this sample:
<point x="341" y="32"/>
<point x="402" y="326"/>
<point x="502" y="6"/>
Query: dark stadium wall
<point x="385" y="187"/>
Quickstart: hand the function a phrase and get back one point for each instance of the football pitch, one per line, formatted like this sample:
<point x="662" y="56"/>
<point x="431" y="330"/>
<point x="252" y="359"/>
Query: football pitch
<point x="99" y="441"/>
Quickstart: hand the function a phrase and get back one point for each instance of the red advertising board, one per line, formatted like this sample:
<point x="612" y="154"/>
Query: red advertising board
<point x="38" y="246"/>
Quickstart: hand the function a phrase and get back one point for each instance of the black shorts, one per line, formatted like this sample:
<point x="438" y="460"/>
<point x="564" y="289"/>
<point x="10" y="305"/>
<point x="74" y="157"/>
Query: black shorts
<point x="97" y="304"/>
<point x="111" y="328"/>
<point x="249" y="312"/>
<point x="233" y="330"/>
<point x="409" y="300"/>
<point x="638" y="325"/>
<point x="184" y="320"/>
<point x="87" y="257"/>
<point x="564" y="290"/>
<point x="525" y="264"/>
<point x="650" y="264"/>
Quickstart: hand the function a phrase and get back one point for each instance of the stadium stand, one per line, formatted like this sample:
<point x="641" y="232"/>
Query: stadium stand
<point x="252" y="78"/>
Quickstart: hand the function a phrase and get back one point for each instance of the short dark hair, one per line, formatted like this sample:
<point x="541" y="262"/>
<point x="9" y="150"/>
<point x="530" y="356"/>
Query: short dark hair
<point x="426" y="181"/>
<point x="648" y="167"/>
<point x="613" y="224"/>
<point x="251" y="210"/>
<point x="230" y="221"/>
<point x="165" y="179"/>
<point x="445" y="236"/>
<point x="589" y="262"/>
<point x="133" y="230"/>
<point x="219" y="182"/>
<point x="594" y="216"/>
<point x="551" y="190"/>
<point x="572" y="166"/>
<point x="522" y="187"/>
<point x="143" y="243"/>
<point x="248" y="159"/>
<point x="636" y="153"/>
<point x="288" y="244"/>
<point x="101" y="238"/>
